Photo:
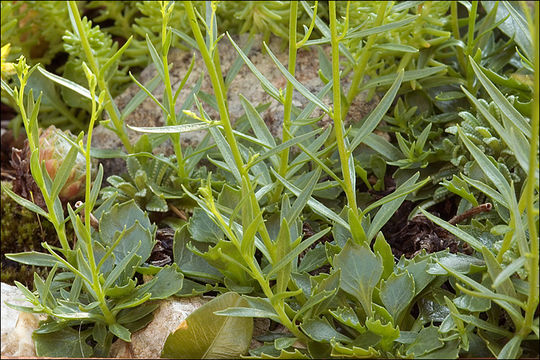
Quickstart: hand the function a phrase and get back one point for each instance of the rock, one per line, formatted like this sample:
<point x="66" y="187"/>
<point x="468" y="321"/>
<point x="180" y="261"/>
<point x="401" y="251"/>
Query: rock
<point x="17" y="327"/>
<point x="148" y="342"/>
<point x="245" y="83"/>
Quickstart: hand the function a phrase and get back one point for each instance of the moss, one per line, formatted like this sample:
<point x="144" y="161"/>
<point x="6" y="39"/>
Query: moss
<point x="21" y="231"/>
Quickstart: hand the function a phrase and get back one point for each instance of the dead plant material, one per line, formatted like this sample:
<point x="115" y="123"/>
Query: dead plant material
<point x="162" y="253"/>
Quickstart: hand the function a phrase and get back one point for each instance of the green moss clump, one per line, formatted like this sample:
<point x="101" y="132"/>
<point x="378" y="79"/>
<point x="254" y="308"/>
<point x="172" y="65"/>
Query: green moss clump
<point x="21" y="231"/>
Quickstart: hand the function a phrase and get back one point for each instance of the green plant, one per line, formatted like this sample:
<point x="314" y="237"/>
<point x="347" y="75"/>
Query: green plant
<point x="304" y="229"/>
<point x="91" y="283"/>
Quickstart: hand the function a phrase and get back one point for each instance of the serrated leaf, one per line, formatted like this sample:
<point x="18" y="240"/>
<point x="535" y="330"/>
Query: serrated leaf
<point x="396" y="293"/>
<point x="360" y="272"/>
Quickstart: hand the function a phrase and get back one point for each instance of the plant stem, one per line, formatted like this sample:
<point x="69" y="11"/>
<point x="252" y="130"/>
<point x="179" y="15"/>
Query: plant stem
<point x="532" y="300"/>
<point x="120" y="128"/>
<point x="344" y="153"/>
<point x="360" y="68"/>
<point x="171" y="118"/>
<point x="219" y="92"/>
<point x="457" y="36"/>
<point x="287" y="106"/>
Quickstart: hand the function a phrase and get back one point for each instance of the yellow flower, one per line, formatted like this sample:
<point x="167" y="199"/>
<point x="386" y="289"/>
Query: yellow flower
<point x="7" y="67"/>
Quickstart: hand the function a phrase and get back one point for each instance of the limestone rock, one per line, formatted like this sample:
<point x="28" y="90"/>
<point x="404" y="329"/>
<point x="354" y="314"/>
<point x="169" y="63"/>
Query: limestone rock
<point x="17" y="327"/>
<point x="148" y="342"/>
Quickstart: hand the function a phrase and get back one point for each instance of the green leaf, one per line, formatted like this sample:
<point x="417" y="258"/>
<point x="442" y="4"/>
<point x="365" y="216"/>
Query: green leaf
<point x="204" y="335"/>
<point x="396" y="293"/>
<point x="165" y="283"/>
<point x="173" y="129"/>
<point x="347" y="316"/>
<point x="472" y="303"/>
<point x="407" y="76"/>
<point x="297" y="85"/>
<point x="509" y="271"/>
<point x="248" y="312"/>
<point x="374" y="118"/>
<point x="501" y="101"/>
<point x="68" y="84"/>
<point x="297" y="251"/>
<point x="66" y="343"/>
<point x="265" y="83"/>
<point x="120" y="331"/>
<point x="257" y="123"/>
<point x="158" y="63"/>
<point x="113" y="59"/>
<point x="515" y="25"/>
<point x="473" y="242"/>
<point x="315" y="205"/>
<point x="396" y="47"/>
<point x="226" y="153"/>
<point x="139" y="97"/>
<point x="320" y="330"/>
<point x="426" y="341"/>
<point x="360" y="272"/>
<point x="63" y="172"/>
<point x="511" y="349"/>
<point x="34" y="258"/>
<point x="383" y="249"/>
<point x="25" y="203"/>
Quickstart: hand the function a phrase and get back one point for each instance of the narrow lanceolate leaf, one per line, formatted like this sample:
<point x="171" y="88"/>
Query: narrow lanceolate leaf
<point x="520" y="150"/>
<point x="67" y="83"/>
<point x="407" y="76"/>
<point x="226" y="152"/>
<point x="500" y="100"/>
<point x="23" y="202"/>
<point x="173" y="129"/>
<point x="374" y="118"/>
<point x="464" y="236"/>
<point x="265" y="83"/>
<point x="315" y="205"/>
<point x="487" y="167"/>
<point x="297" y="85"/>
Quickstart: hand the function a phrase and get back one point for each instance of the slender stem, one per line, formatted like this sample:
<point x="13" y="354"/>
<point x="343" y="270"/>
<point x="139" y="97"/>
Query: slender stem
<point x="171" y="118"/>
<point x="470" y="43"/>
<point x="218" y="87"/>
<point x="360" y="68"/>
<point x="219" y="92"/>
<point x="344" y="153"/>
<point x="532" y="300"/>
<point x="287" y="106"/>
<point x="457" y="36"/>
<point x="120" y="128"/>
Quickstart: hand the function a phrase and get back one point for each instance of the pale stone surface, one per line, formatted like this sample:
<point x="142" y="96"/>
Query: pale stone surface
<point x="17" y="327"/>
<point x="148" y="342"/>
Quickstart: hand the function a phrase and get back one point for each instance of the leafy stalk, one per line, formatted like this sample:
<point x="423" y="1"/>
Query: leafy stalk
<point x="361" y="65"/>
<point x="344" y="154"/>
<point x="166" y="38"/>
<point x="209" y="54"/>
<point x="119" y="126"/>
<point x="284" y="156"/>
<point x="532" y="182"/>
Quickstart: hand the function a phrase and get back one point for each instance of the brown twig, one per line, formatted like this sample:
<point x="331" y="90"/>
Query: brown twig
<point x="178" y="212"/>
<point x="470" y="213"/>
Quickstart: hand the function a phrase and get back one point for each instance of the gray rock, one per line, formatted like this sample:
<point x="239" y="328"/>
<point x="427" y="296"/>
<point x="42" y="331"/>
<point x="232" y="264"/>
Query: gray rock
<point x="17" y="327"/>
<point x="148" y="342"/>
